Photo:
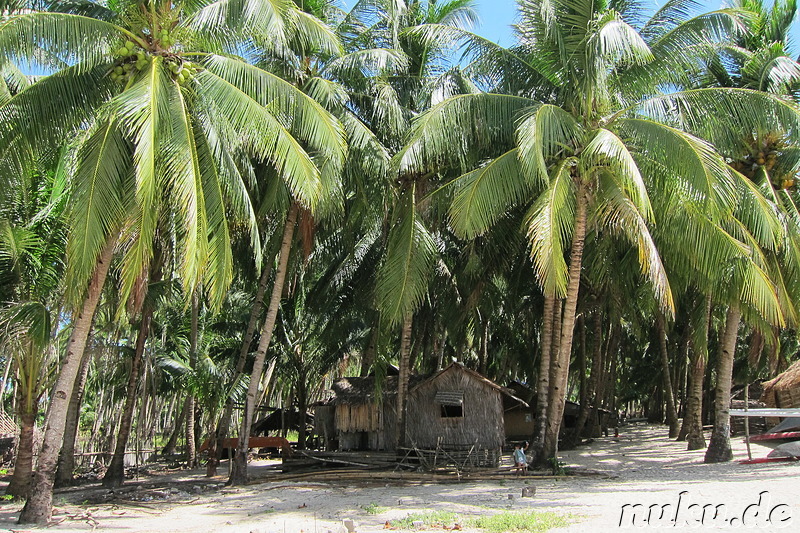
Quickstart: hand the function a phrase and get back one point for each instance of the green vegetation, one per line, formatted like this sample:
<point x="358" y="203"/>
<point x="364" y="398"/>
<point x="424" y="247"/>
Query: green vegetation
<point x="429" y="519"/>
<point x="511" y="521"/>
<point x="530" y="521"/>
<point x="373" y="508"/>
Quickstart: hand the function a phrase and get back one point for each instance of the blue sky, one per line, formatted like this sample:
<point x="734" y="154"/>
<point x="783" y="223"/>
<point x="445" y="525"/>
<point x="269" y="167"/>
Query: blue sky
<point x="497" y="16"/>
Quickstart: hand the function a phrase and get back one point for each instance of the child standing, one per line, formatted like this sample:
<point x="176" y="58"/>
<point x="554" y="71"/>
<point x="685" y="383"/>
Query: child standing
<point x="520" y="461"/>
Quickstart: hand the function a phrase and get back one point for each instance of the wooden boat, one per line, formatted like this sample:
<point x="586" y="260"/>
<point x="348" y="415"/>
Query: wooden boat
<point x="774" y="439"/>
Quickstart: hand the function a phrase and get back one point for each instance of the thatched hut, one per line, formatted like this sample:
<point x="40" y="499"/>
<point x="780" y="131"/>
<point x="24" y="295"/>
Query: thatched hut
<point x="783" y="392"/>
<point x="455" y="408"/>
<point x="362" y="415"/>
<point x="458" y="408"/>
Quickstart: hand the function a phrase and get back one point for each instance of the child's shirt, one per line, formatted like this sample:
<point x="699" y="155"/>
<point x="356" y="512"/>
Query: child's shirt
<point x="519" y="456"/>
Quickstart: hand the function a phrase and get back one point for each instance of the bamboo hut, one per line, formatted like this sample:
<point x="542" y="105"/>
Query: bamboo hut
<point x="456" y="409"/>
<point x="783" y="392"/>
<point x="361" y="415"/>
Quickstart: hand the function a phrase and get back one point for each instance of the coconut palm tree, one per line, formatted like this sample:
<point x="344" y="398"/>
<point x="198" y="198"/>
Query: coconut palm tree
<point x="156" y="110"/>
<point x="587" y="135"/>
<point x="759" y="60"/>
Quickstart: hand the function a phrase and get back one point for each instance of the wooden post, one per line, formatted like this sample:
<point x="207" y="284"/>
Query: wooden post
<point x="747" y="420"/>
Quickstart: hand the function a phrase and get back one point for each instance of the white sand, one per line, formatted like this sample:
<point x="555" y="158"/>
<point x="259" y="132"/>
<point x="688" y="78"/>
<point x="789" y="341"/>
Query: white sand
<point x="647" y="469"/>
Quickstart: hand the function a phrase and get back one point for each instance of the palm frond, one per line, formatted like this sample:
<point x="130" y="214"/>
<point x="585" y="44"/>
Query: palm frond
<point x="622" y="217"/>
<point x="81" y="41"/>
<point x="458" y="126"/>
<point x="483" y="195"/>
<point x="103" y="169"/>
<point x="549" y="225"/>
<point x="544" y="132"/>
<point x="606" y="150"/>
<point x="403" y="277"/>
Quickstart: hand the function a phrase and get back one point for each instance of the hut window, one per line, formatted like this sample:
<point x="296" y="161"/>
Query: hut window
<point x="452" y="411"/>
<point x="452" y="403"/>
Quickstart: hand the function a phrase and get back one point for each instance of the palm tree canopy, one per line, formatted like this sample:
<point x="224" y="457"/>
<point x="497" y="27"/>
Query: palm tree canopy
<point x="161" y="115"/>
<point x="579" y="127"/>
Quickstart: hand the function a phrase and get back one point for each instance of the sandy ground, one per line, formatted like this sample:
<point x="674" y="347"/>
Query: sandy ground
<point x="641" y="467"/>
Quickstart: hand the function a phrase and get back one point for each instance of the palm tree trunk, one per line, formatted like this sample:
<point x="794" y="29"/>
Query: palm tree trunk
<point x="39" y="506"/>
<point x="543" y="381"/>
<point x="115" y="475"/>
<point x="719" y="447"/>
<point x="191" y="444"/>
<point x="590" y="399"/>
<point x="239" y="463"/>
<point x="66" y="460"/>
<point x="169" y="447"/>
<point x="672" y="414"/>
<point x="694" y="407"/>
<point x="402" y="381"/>
<point x="215" y="454"/>
<point x="555" y="407"/>
<point x="302" y="408"/>
<point x="368" y="359"/>
<point x="20" y="484"/>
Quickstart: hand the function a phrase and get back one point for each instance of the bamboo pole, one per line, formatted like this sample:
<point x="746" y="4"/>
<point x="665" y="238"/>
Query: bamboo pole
<point x="747" y="420"/>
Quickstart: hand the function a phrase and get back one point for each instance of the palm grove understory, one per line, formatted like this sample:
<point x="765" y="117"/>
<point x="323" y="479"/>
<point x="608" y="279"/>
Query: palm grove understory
<point x="208" y="208"/>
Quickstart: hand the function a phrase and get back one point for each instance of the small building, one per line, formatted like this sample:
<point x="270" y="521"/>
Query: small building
<point x="783" y="391"/>
<point x="456" y="408"/>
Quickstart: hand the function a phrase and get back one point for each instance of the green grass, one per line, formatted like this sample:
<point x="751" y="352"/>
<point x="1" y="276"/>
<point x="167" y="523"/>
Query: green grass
<point x="373" y="508"/>
<point x="428" y="518"/>
<point x="503" y="522"/>
<point x="529" y="521"/>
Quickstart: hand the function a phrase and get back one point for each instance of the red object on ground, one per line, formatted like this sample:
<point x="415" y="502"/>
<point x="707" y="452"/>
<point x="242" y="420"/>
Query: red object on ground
<point x="767" y="460"/>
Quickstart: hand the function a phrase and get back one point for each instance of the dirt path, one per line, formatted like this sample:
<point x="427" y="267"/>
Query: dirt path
<point x="642" y="467"/>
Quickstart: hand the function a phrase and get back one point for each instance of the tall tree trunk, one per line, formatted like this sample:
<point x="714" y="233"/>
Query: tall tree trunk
<point x="239" y="463"/>
<point x="672" y="414"/>
<point x="39" y="506"/>
<point x="555" y="408"/>
<point x="302" y="408"/>
<point x="591" y="399"/>
<point x="368" y="358"/>
<point x="543" y="381"/>
<point x="191" y="443"/>
<point x="172" y="442"/>
<point x="719" y="447"/>
<point x="115" y="475"/>
<point x="20" y="485"/>
<point x="773" y="356"/>
<point x="694" y="407"/>
<point x="223" y="428"/>
<point x="402" y="380"/>
<point x="66" y="459"/>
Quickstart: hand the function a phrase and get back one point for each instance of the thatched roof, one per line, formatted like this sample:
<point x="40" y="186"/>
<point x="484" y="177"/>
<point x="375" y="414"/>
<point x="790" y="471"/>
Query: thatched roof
<point x="482" y="379"/>
<point x="360" y="390"/>
<point x="784" y="390"/>
<point x="788" y="380"/>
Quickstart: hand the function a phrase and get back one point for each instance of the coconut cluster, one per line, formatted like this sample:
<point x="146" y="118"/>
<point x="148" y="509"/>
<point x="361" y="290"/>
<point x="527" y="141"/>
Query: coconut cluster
<point x="764" y="155"/>
<point x="131" y="59"/>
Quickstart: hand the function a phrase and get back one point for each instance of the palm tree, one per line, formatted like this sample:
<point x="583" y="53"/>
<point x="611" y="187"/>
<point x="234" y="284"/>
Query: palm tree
<point x="156" y="111"/>
<point x="32" y="232"/>
<point x="587" y="134"/>
<point x="759" y="60"/>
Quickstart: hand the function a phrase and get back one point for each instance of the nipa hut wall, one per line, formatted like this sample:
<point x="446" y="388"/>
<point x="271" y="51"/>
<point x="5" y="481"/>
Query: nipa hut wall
<point x="480" y="425"/>
<point x="378" y="434"/>
<point x="519" y="423"/>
